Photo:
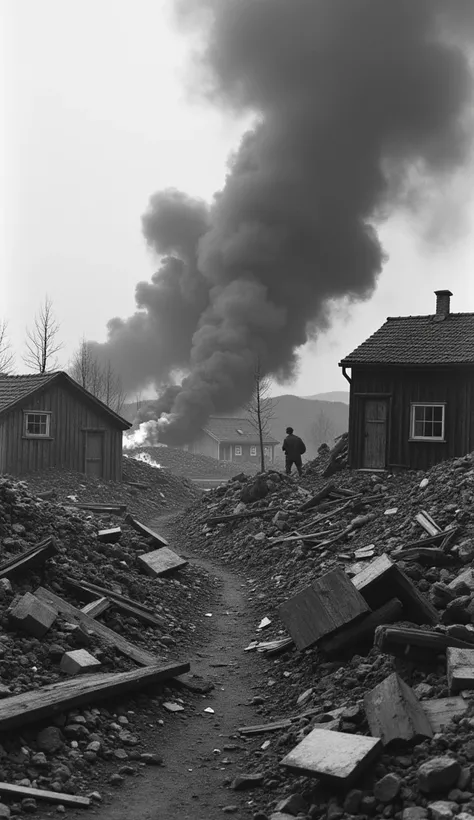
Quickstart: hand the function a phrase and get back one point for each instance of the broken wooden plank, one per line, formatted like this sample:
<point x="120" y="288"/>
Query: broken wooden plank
<point x="382" y="580"/>
<point x="110" y="536"/>
<point x="161" y="561"/>
<point x="107" y="509"/>
<point x="317" y="498"/>
<point x="138" y="485"/>
<point x="29" y="559"/>
<point x="440" y="711"/>
<point x="425" y="521"/>
<point x="426" y="556"/>
<point x="146" y="531"/>
<point x="394" y="713"/>
<point x="137" y="610"/>
<point x="44" y="703"/>
<point x="460" y="669"/>
<point x="432" y="540"/>
<point x="46" y="495"/>
<point x="263" y="728"/>
<point x="223" y="519"/>
<point x="328" y="604"/>
<point x="333" y="756"/>
<point x="394" y="640"/>
<point x="11" y="790"/>
<point x="107" y="635"/>
<point x="353" y="636"/>
<point x="96" y="608"/>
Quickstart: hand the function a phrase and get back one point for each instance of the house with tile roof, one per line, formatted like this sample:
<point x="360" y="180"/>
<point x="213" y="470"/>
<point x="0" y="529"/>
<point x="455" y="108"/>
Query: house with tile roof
<point x="412" y="391"/>
<point x="49" y="421"/>
<point x="232" y="439"/>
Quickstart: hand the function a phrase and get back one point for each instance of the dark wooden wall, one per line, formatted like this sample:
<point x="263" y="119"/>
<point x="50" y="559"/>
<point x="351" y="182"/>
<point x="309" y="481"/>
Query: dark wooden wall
<point x="401" y="387"/>
<point x="70" y="416"/>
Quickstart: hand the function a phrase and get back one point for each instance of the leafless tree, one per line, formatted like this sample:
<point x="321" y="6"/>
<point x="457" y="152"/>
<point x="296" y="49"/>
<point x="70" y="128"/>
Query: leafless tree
<point x="260" y="409"/>
<point x="7" y="358"/>
<point x="322" y="429"/>
<point x="138" y="401"/>
<point x="99" y="379"/>
<point x="41" y="341"/>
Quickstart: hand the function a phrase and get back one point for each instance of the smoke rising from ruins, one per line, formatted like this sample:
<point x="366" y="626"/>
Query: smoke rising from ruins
<point x="360" y="106"/>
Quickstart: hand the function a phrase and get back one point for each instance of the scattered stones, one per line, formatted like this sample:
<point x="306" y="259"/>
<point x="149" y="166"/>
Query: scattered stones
<point x="438" y="774"/>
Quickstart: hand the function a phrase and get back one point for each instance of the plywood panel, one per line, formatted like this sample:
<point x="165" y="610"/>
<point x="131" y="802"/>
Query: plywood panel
<point x="333" y="756"/>
<point x="161" y="561"/>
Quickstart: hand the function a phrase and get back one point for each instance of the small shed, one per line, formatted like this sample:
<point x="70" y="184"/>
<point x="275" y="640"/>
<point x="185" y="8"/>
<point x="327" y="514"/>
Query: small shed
<point x="412" y="391"/>
<point x="47" y="420"/>
<point x="232" y="439"/>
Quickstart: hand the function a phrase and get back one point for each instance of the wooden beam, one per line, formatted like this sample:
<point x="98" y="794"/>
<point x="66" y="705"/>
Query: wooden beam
<point x="394" y="640"/>
<point x="96" y="608"/>
<point x="394" y="713"/>
<point x="125" y="604"/>
<point x="352" y="636"/>
<point x="263" y="728"/>
<point x="107" y="635"/>
<point x="29" y="559"/>
<point x="425" y="521"/>
<point x="110" y="536"/>
<point x="382" y="580"/>
<point x="146" y="531"/>
<point x="10" y="790"/>
<point x="223" y="519"/>
<point x="427" y="556"/>
<point x="44" y="703"/>
<point x="318" y="497"/>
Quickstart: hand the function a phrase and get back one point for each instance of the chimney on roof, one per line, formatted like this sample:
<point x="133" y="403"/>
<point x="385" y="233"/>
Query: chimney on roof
<point x="442" y="302"/>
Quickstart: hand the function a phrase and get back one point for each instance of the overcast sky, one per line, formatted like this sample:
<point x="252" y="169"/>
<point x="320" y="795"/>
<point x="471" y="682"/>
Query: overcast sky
<point x="95" y="118"/>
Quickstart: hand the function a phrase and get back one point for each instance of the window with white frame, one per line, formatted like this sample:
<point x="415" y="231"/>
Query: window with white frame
<point x="427" y="422"/>
<point x="238" y="450"/>
<point x="37" y="425"/>
<point x="253" y="451"/>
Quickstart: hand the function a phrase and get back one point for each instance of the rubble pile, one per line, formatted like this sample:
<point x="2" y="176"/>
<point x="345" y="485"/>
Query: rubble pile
<point x="55" y="624"/>
<point x="145" y="490"/>
<point x="365" y="589"/>
<point x="192" y="465"/>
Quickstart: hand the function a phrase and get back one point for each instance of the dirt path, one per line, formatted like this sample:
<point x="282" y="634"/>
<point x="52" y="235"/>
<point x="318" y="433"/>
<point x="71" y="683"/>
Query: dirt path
<point x="202" y="750"/>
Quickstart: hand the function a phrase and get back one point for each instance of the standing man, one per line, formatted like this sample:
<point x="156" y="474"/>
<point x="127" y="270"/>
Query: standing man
<point x="293" y="447"/>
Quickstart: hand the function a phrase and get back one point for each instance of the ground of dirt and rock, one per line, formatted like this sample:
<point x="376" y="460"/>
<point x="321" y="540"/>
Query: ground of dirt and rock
<point x="99" y="750"/>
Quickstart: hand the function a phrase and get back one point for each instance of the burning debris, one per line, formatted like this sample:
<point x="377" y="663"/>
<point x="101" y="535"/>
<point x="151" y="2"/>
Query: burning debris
<point x="360" y="108"/>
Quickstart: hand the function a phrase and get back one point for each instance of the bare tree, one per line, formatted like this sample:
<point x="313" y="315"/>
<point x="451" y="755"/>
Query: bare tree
<point x="6" y="354"/>
<point x="260" y="409"/>
<point x="41" y="340"/>
<point x="99" y="379"/>
<point x="323" y="429"/>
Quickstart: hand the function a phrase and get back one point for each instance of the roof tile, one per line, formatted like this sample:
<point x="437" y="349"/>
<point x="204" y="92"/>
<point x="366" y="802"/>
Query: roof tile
<point x="14" y="388"/>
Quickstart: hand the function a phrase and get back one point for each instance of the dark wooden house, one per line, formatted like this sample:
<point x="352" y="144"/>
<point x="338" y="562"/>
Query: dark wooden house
<point x="412" y="391"/>
<point x="47" y="421"/>
<point x="232" y="439"/>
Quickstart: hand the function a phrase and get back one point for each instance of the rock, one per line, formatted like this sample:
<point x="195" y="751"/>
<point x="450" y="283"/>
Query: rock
<point x="442" y="810"/>
<point x="50" y="740"/>
<point x="292" y="804"/>
<point x="465" y="815"/>
<point x="352" y="801"/>
<point x="438" y="774"/>
<point x="247" y="781"/>
<point x="414" y="813"/>
<point x="4" y="812"/>
<point x="230" y="809"/>
<point x="29" y="805"/>
<point x="151" y="759"/>
<point x="116" y="779"/>
<point x="387" y="789"/>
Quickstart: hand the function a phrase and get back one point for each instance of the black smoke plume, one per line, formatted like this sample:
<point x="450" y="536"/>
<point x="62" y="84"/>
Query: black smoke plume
<point x="360" y="106"/>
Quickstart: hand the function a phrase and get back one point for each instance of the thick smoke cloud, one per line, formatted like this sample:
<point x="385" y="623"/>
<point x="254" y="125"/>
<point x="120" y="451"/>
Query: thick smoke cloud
<point x="360" y="104"/>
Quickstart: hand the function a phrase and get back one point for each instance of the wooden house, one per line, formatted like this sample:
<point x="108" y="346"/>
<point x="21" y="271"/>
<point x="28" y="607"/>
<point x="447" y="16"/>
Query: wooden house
<point x="232" y="439"/>
<point x="47" y="420"/>
<point x="412" y="391"/>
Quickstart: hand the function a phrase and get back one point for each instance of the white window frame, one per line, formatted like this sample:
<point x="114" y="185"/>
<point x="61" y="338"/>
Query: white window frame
<point x="253" y="450"/>
<point x="46" y="413"/>
<point x="413" y="407"/>
<point x="238" y="450"/>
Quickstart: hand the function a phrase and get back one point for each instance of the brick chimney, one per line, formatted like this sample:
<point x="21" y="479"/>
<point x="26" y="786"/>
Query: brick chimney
<point x="442" y="302"/>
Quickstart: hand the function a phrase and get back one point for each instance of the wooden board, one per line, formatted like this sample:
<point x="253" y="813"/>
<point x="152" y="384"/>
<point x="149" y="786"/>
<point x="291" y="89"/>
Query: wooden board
<point x="353" y="636"/>
<point x="29" y="559"/>
<point x="263" y="728"/>
<point x="440" y="711"/>
<point x="328" y="604"/>
<point x="110" y="536"/>
<point x="42" y="794"/>
<point x="460" y="669"/>
<point x="44" y="703"/>
<point x="395" y="640"/>
<point x="383" y="580"/>
<point x="96" y="608"/>
<point x="161" y="561"/>
<point x="124" y="604"/>
<point x="394" y="713"/>
<point x="107" y="635"/>
<point x="146" y="531"/>
<point x="334" y="756"/>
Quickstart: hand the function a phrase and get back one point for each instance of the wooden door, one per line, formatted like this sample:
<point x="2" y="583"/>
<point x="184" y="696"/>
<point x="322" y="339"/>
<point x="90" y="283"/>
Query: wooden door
<point x="225" y="452"/>
<point x="94" y="457"/>
<point x="375" y="434"/>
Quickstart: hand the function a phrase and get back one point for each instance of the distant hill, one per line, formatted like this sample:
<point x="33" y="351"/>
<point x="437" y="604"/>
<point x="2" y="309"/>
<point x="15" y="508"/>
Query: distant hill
<point x="335" y="395"/>
<point x="315" y="421"/>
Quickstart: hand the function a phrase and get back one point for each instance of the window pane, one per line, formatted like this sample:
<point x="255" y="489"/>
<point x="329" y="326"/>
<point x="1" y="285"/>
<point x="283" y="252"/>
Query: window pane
<point x="438" y="429"/>
<point x="419" y="413"/>
<point x="419" y="427"/>
<point x="37" y="424"/>
<point x="428" y="413"/>
<point x="438" y="413"/>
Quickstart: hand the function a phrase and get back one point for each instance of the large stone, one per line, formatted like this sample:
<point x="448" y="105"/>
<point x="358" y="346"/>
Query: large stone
<point x="442" y="810"/>
<point x="5" y="813"/>
<point x="79" y="662"/>
<point x="50" y="740"/>
<point x="292" y="804"/>
<point x="438" y="774"/>
<point x="414" y="813"/>
<point x="32" y="616"/>
<point x="386" y="789"/>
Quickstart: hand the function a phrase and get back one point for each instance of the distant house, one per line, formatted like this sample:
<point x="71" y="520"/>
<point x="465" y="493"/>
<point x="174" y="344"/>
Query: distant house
<point x="231" y="439"/>
<point x="47" y="420"/>
<point x="412" y="391"/>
